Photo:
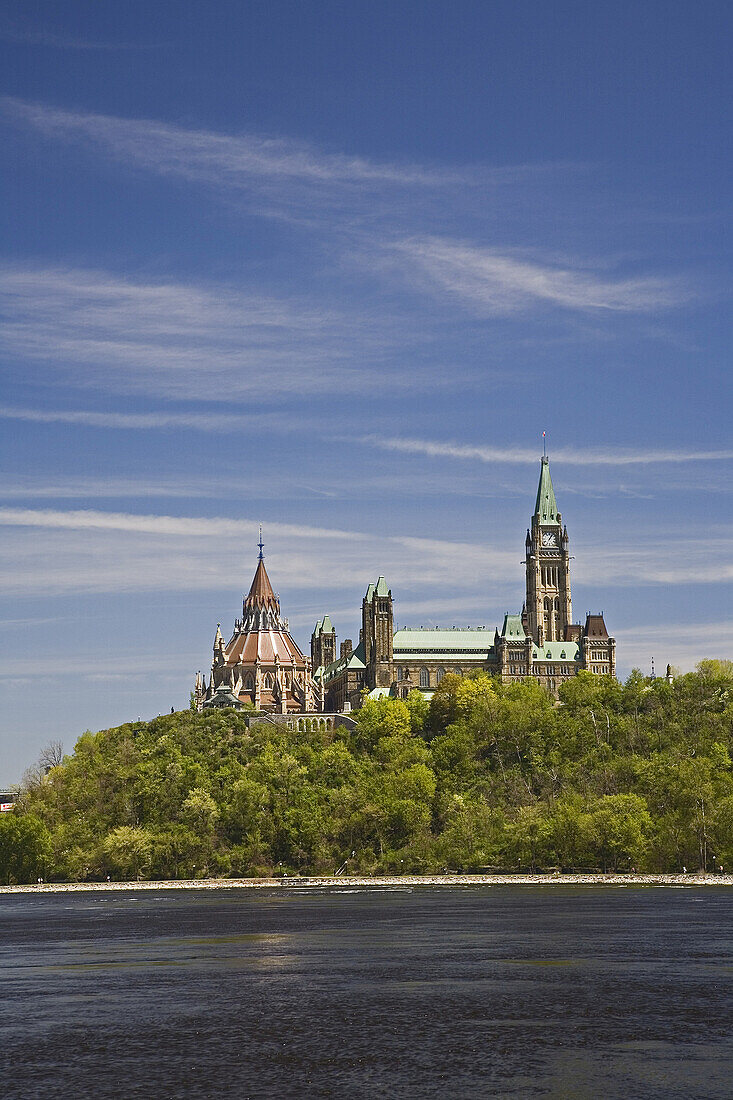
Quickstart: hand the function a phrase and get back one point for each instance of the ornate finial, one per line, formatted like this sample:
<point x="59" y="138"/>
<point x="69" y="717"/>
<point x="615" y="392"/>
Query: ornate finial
<point x="544" y="444"/>
<point x="261" y="544"/>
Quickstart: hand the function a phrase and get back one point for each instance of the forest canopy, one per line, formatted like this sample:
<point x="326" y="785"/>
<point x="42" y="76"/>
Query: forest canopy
<point x="484" y="777"/>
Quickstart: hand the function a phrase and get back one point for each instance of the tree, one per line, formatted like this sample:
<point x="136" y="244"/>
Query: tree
<point x="488" y="773"/>
<point x="620" y="825"/>
<point x="25" y="848"/>
<point x="127" y="850"/>
<point x="51" y="756"/>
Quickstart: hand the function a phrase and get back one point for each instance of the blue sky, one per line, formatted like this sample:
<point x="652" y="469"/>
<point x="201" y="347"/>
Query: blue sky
<point x="334" y="268"/>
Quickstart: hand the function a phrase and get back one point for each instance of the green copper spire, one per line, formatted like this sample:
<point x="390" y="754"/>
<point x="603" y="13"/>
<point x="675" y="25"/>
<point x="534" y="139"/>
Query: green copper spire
<point x="546" y="506"/>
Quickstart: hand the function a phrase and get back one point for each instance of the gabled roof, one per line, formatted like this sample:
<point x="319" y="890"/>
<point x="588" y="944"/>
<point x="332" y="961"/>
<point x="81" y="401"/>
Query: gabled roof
<point x="512" y="627"/>
<point x="355" y="659"/>
<point x="546" y="505"/>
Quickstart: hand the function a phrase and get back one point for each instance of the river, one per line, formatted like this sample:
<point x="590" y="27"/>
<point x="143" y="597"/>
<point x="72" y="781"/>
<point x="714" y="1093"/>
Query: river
<point x="505" y="991"/>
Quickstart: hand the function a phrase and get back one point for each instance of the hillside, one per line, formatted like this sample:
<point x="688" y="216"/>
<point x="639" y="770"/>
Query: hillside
<point x="617" y="776"/>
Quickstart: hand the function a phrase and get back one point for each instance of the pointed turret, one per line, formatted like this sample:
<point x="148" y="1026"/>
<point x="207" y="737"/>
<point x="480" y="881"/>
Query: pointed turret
<point x="260" y="593"/>
<point x="546" y="508"/>
<point x="548" y="604"/>
<point x="250" y="667"/>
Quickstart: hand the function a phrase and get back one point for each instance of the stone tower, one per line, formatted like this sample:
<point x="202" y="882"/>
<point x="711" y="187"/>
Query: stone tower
<point x="548" y="607"/>
<point x="323" y="644"/>
<point x="377" y="632"/>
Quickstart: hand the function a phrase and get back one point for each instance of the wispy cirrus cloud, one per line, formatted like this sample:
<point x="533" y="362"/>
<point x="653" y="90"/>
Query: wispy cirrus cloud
<point x="492" y="281"/>
<point x="680" y="644"/>
<point x="497" y="455"/>
<point x="187" y="340"/>
<point x="224" y="160"/>
<point x="153" y="421"/>
<point x="223" y="423"/>
<point x="276" y="176"/>
<point x="67" y="487"/>
<point x="45" y="36"/>
<point x="378" y="203"/>
<point x="95" y="551"/>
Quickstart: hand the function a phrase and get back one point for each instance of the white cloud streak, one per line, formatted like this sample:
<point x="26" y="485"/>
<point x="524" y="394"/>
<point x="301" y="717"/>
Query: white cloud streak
<point x="14" y="487"/>
<point x="42" y="36"/>
<point x="154" y="524"/>
<point x="524" y="456"/>
<point x="495" y="282"/>
<point x="186" y="341"/>
<point x="47" y="550"/>
<point x="682" y="644"/>
<point x="223" y="160"/>
<point x="154" y="421"/>
<point x="282" y="178"/>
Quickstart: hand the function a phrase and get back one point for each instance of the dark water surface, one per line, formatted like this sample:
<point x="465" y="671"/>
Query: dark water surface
<point x="475" y="992"/>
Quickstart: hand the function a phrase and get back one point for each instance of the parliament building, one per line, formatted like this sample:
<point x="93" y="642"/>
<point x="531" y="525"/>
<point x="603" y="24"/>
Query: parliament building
<point x="261" y="664"/>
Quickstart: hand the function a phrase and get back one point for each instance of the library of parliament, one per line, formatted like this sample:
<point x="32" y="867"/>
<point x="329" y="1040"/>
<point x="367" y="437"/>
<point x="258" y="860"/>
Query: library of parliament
<point x="262" y="665"/>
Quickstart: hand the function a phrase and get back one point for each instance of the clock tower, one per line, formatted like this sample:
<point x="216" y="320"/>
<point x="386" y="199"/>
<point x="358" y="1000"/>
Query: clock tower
<point x="548" y="607"/>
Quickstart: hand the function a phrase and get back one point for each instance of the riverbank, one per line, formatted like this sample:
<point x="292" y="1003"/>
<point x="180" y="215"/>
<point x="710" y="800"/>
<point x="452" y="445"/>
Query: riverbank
<point x="350" y="882"/>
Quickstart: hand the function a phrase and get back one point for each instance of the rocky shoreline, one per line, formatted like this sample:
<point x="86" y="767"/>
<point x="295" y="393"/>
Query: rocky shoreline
<point x="344" y="882"/>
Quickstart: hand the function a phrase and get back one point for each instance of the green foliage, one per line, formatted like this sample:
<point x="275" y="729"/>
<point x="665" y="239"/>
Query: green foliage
<point x="486" y="775"/>
<point x="25" y="848"/>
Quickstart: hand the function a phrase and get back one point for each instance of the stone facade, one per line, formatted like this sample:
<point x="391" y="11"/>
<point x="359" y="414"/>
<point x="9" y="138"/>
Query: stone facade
<point x="541" y="642"/>
<point x="261" y="664"/>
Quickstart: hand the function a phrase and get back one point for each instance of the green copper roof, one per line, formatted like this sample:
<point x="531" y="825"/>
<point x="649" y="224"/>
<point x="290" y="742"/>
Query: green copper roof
<point x="417" y="642"/>
<point x="546" y="505"/>
<point x="369" y="593"/>
<point x="355" y="659"/>
<point x="463" y="655"/>
<point x="323" y="626"/>
<point x="382" y="589"/>
<point x="512" y="627"/>
<point x="379" y="693"/>
<point x="556" y="651"/>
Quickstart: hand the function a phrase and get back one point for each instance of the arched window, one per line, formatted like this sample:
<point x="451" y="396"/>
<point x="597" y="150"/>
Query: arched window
<point x="249" y="684"/>
<point x="441" y="674"/>
<point x="268" y="682"/>
<point x="424" y="678"/>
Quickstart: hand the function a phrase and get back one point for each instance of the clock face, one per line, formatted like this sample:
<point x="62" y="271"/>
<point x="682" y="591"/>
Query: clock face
<point x="549" y="538"/>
